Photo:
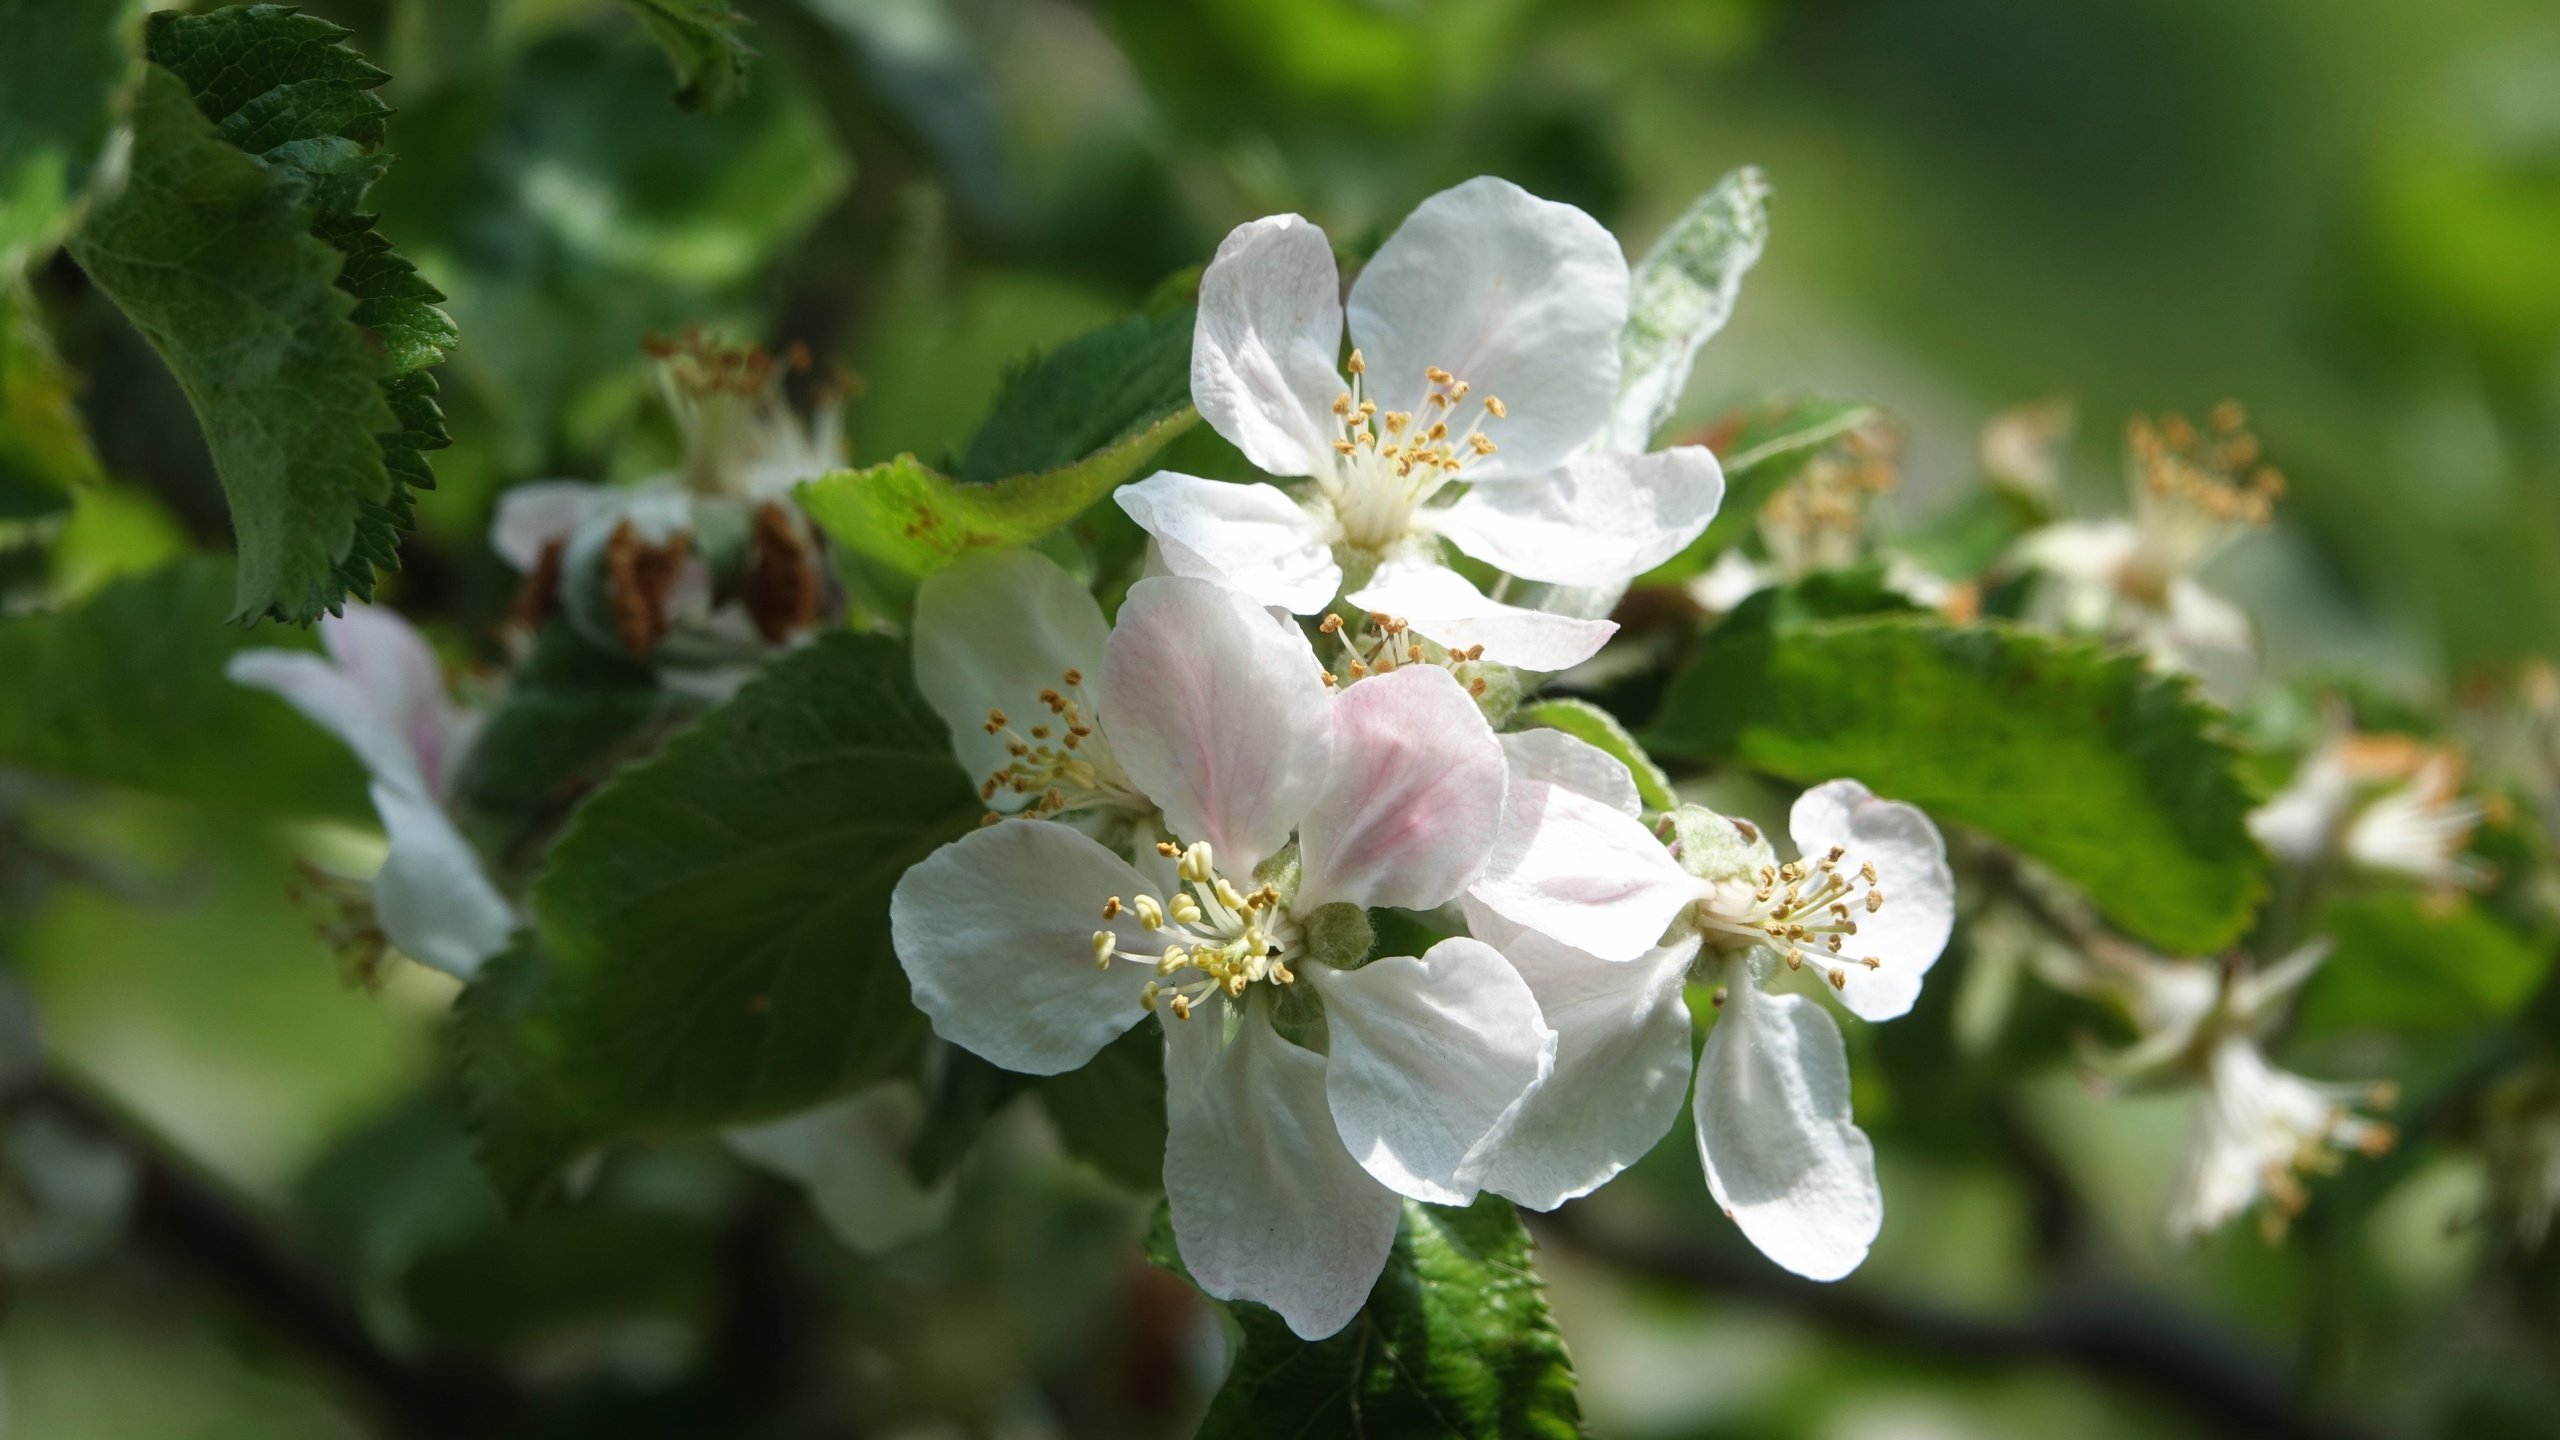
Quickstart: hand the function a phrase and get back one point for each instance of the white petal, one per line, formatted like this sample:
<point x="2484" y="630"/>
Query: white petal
<point x="1551" y="757"/>
<point x="333" y="700"/>
<point x="1441" y="606"/>
<point x="1409" y="812"/>
<point x="432" y="897"/>
<point x="1582" y="872"/>
<point x="1919" y="909"/>
<point x="1600" y="519"/>
<point x="1781" y="1153"/>
<point x="992" y="631"/>
<point x="1520" y="297"/>
<point x="1621" y="1071"/>
<point x="1263" y="355"/>
<point x="1220" y="715"/>
<point x="1267" y="1204"/>
<point x="2202" y="624"/>
<point x="1251" y="538"/>
<point x="996" y="929"/>
<point x="532" y="517"/>
<point x="1427" y="1057"/>
<point x="851" y="1156"/>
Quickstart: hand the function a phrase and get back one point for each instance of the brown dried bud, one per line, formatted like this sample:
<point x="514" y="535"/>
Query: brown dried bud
<point x="538" y="594"/>
<point x="638" y="578"/>
<point x="783" y="584"/>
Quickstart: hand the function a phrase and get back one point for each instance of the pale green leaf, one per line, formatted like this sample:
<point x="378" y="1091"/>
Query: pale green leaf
<point x="1680" y="295"/>
<point x="2115" y="777"/>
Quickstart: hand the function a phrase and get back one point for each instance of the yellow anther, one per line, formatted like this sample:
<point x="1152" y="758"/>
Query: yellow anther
<point x="1199" y="864"/>
<point x="1494" y="407"/>
<point x="1112" y="907"/>
<point x="1168" y="849"/>
<point x="1438" y="375"/>
<point x="1186" y="910"/>
<point x="1875" y="901"/>
<point x="1840" y="980"/>
<point x="1357" y="365"/>
<point x="1872" y="963"/>
<point x="1104" y="942"/>
<point x="995" y="721"/>
<point x="1181" y="1006"/>
<point x="1867" y="872"/>
<point x="1150" y="912"/>
<point x="1330" y="625"/>
<point x="1147" y="994"/>
<point x="1227" y="895"/>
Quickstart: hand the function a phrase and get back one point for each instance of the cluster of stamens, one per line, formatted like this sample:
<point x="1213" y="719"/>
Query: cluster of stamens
<point x="2218" y="473"/>
<point x="1227" y="938"/>
<point x="1387" y="643"/>
<point x="1805" y="910"/>
<point x="343" y="917"/>
<point x="1818" y="522"/>
<point x="1053" y="761"/>
<point x="1394" y="460"/>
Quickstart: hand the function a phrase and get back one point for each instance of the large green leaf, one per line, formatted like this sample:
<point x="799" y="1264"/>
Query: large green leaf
<point x="2115" y="777"/>
<point x="1680" y="295"/>
<point x="301" y="339"/>
<point x="1454" y="1342"/>
<point x="570" y="706"/>
<point x="2412" y="964"/>
<point x="703" y="44"/>
<point x="1065" y="431"/>
<point x="127" y="689"/>
<point x="1762" y="449"/>
<point x="64" y="71"/>
<point x="713" y="926"/>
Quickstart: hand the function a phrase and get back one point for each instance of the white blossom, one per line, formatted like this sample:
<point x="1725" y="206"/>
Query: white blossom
<point x="2382" y="803"/>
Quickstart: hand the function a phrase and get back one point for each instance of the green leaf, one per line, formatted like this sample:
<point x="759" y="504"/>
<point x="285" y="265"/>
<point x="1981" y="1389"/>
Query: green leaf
<point x="1594" y="726"/>
<point x="571" y="707"/>
<point x="702" y="43"/>
<point x="299" y="336"/>
<point x="1680" y="295"/>
<point x="127" y="689"/>
<point x="44" y="447"/>
<point x="1762" y="449"/>
<point x="1455" y="1341"/>
<point x="1087" y="396"/>
<point x="1110" y="1111"/>
<point x="2115" y="777"/>
<point x="2408" y="963"/>
<point x="963" y="1092"/>
<point x="714" y="924"/>
<point x="64" y="74"/>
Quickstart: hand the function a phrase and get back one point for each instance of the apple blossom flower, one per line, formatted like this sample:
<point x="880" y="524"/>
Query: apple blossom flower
<point x="1306" y="1090"/>
<point x="380" y="690"/>
<point x="2382" y="803"/>
<point x="1608" y="927"/>
<point x="700" y="570"/>
<point x="2134" y="579"/>
<point x="1485" y="365"/>
<point x="2257" y="1128"/>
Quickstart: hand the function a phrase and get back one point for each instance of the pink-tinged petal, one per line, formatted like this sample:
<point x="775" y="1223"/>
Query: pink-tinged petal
<point x="333" y="700"/>
<point x="1581" y="871"/>
<point x="1250" y="538"/>
<point x="1220" y="715"/>
<point x="993" y="630"/>
<point x="1598" y="519"/>
<point x="850" y="1155"/>
<point x="1621" y="1071"/>
<point x="1441" y="606"/>
<point x="1781" y="1153"/>
<point x="1427" y="1057"/>
<point x="996" y="929"/>
<point x="400" y="677"/>
<point x="1910" y="929"/>
<point x="1520" y="297"/>
<point x="1551" y="757"/>
<point x="1264" y="353"/>
<point x="432" y="898"/>
<point x="1409" y="812"/>
<point x="1267" y="1203"/>
<point x="533" y="517"/>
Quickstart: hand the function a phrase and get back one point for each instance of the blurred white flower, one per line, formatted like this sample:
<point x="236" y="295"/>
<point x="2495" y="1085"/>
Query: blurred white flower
<point x="2384" y="803"/>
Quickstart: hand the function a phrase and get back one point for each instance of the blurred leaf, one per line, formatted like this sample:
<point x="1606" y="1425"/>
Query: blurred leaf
<point x="1455" y="1341"/>
<point x="127" y="689"/>
<point x="570" y="706"/>
<point x="714" y="923"/>
<point x="300" y="338"/>
<point x="1762" y="449"/>
<point x="965" y="1090"/>
<point x="63" y="78"/>
<point x="1594" y="726"/>
<point x="1680" y="295"/>
<point x="44" y="448"/>
<point x="2117" y="778"/>
<point x="2409" y="963"/>
<point x="702" y="43"/>
<point x="511" y="1283"/>
<point x="1085" y="397"/>
<point x="1110" y="1111"/>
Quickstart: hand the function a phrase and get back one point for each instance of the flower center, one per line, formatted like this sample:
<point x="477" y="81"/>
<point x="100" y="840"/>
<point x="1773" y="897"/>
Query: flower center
<point x="1216" y="938"/>
<point x="1804" y="909"/>
<point x="2193" y="493"/>
<point x="1063" y="763"/>
<point x="1388" y="463"/>
<point x="1387" y="643"/>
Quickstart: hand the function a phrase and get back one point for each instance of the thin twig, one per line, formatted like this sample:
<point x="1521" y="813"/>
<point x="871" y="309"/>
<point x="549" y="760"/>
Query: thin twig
<point x="2125" y="1338"/>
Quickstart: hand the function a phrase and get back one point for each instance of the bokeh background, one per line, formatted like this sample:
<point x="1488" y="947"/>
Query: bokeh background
<point x="2345" y="213"/>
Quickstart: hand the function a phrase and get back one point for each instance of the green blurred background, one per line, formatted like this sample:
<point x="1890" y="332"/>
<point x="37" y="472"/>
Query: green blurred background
<point x="2345" y="214"/>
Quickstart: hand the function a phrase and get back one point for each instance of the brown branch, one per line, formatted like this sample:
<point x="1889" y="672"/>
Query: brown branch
<point x="2178" y="1357"/>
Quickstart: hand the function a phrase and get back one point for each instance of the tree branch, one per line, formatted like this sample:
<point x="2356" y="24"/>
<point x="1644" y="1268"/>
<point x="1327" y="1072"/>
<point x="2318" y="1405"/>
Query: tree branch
<point x="2178" y="1357"/>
